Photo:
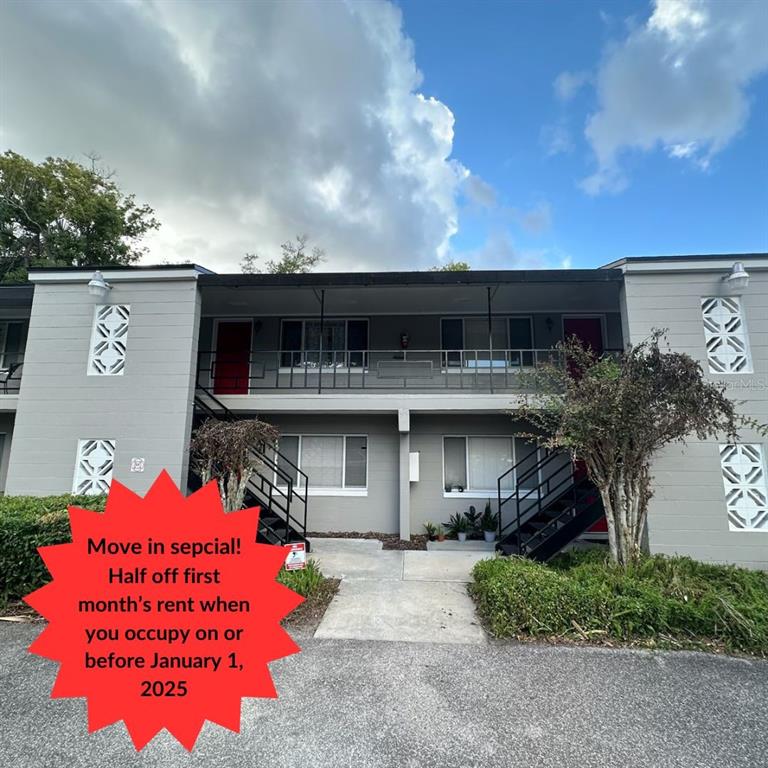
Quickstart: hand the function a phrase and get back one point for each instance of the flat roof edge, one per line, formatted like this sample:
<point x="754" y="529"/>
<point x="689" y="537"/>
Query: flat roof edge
<point x="708" y="260"/>
<point x="475" y="277"/>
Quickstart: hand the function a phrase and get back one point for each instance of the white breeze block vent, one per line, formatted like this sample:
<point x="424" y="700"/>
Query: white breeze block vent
<point x="726" y="336"/>
<point x="746" y="493"/>
<point x="108" y="340"/>
<point x="94" y="466"/>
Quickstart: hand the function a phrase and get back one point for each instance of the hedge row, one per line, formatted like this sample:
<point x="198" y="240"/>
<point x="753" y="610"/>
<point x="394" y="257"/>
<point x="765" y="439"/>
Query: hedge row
<point x="29" y="522"/>
<point x="662" y="601"/>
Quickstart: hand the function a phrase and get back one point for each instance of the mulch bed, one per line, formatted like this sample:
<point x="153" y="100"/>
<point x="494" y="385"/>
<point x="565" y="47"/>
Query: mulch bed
<point x="307" y="617"/>
<point x="390" y="540"/>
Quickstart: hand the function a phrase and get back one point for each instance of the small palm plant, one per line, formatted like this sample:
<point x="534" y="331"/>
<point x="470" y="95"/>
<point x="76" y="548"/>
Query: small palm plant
<point x="458" y="526"/>
<point x="489" y="522"/>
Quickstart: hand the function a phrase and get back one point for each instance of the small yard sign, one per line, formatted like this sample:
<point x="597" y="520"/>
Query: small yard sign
<point x="296" y="559"/>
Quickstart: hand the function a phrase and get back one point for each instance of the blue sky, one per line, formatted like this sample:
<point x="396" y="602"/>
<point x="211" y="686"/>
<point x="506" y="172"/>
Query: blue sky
<point x="401" y="134"/>
<point x="494" y="65"/>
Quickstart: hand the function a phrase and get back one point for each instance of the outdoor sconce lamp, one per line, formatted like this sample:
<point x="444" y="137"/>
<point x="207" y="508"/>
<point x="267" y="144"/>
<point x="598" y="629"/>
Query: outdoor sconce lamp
<point x="738" y="278"/>
<point x="549" y="322"/>
<point x="98" y="286"/>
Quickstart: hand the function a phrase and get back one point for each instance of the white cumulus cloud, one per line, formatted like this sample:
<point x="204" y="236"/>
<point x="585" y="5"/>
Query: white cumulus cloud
<point x="677" y="82"/>
<point x="242" y="123"/>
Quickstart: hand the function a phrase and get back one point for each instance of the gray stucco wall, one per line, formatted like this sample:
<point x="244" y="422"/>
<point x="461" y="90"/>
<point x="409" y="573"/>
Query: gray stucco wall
<point x="378" y="510"/>
<point x="147" y="410"/>
<point x="428" y="501"/>
<point x="687" y="514"/>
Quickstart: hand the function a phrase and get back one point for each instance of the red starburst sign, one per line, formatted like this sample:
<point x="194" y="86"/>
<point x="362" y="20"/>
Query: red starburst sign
<point x="163" y="612"/>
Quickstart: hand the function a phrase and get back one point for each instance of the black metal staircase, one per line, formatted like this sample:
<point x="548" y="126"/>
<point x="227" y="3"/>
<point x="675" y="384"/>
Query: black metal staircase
<point x="549" y="506"/>
<point x="279" y="488"/>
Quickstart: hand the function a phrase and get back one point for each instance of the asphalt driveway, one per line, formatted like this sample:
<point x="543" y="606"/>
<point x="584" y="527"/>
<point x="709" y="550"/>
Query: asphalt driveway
<point x="375" y="704"/>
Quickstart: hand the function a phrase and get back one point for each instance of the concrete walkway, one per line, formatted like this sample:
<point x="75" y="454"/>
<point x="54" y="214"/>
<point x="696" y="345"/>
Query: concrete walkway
<point x="408" y="595"/>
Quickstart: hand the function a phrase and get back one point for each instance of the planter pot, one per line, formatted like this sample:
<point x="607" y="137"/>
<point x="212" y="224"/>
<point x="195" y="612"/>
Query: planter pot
<point x="441" y="538"/>
<point x="489" y="535"/>
<point x="461" y="536"/>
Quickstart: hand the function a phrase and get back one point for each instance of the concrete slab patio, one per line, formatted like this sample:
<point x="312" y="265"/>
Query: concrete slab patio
<point x="392" y="595"/>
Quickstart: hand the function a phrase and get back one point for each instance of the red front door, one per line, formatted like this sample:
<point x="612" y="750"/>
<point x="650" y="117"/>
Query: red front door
<point x="589" y="330"/>
<point x="232" y="368"/>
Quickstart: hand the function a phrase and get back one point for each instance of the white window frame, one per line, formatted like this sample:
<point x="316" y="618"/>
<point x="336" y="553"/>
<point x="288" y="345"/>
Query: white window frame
<point x="478" y="493"/>
<point x="505" y="317"/>
<point x="305" y="320"/>
<point x="342" y="491"/>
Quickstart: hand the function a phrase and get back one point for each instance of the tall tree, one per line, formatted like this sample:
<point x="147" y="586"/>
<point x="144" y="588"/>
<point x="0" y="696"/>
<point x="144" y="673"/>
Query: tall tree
<point x="452" y="266"/>
<point x="294" y="259"/>
<point x="60" y="213"/>
<point x="615" y="415"/>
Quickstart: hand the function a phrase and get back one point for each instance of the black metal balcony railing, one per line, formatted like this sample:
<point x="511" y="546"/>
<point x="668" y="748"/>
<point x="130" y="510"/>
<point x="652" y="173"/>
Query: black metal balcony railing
<point x="10" y="373"/>
<point x="478" y="370"/>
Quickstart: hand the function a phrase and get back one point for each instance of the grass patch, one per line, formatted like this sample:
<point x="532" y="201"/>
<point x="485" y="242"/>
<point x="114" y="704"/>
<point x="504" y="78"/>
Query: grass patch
<point x="305" y="581"/>
<point x="670" y="602"/>
<point x="317" y="590"/>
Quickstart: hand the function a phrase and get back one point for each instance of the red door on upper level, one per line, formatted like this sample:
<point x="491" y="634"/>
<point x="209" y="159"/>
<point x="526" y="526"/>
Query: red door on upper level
<point x="589" y="330"/>
<point x="232" y="366"/>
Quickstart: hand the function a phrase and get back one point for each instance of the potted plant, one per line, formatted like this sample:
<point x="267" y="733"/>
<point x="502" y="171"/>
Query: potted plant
<point x="431" y="530"/>
<point x="439" y="533"/>
<point x="473" y="519"/>
<point x="489" y="522"/>
<point x="458" y="526"/>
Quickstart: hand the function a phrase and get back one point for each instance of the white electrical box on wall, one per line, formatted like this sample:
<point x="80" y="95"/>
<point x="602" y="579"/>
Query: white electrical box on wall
<point x="413" y="474"/>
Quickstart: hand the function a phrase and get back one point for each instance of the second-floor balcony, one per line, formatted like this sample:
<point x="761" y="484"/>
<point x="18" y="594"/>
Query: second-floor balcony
<point x="471" y="370"/>
<point x="418" y="332"/>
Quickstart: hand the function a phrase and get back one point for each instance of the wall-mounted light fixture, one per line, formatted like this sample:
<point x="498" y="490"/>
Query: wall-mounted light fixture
<point x="738" y="278"/>
<point x="98" y="286"/>
<point x="549" y="322"/>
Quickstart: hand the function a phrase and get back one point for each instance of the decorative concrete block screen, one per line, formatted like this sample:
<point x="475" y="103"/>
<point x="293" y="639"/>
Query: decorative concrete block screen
<point x="725" y="335"/>
<point x="93" y="470"/>
<point x="108" y="339"/>
<point x="746" y="492"/>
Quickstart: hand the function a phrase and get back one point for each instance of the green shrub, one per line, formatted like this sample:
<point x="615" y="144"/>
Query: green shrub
<point x="666" y="601"/>
<point x="29" y="522"/>
<point x="305" y="581"/>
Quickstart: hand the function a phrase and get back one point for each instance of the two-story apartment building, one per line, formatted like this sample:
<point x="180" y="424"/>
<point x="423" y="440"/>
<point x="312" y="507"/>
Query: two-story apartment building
<point x="395" y="393"/>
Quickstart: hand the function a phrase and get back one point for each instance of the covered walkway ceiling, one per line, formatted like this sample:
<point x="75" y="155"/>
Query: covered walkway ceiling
<point x="412" y="293"/>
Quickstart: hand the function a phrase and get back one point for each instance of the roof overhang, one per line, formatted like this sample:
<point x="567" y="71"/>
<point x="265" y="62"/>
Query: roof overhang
<point x="118" y="274"/>
<point x="709" y="263"/>
<point x="373" y="279"/>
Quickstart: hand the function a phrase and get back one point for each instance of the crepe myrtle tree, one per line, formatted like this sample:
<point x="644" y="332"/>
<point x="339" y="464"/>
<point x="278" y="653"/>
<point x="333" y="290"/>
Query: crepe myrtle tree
<point x="223" y="451"/>
<point x="614" y="414"/>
